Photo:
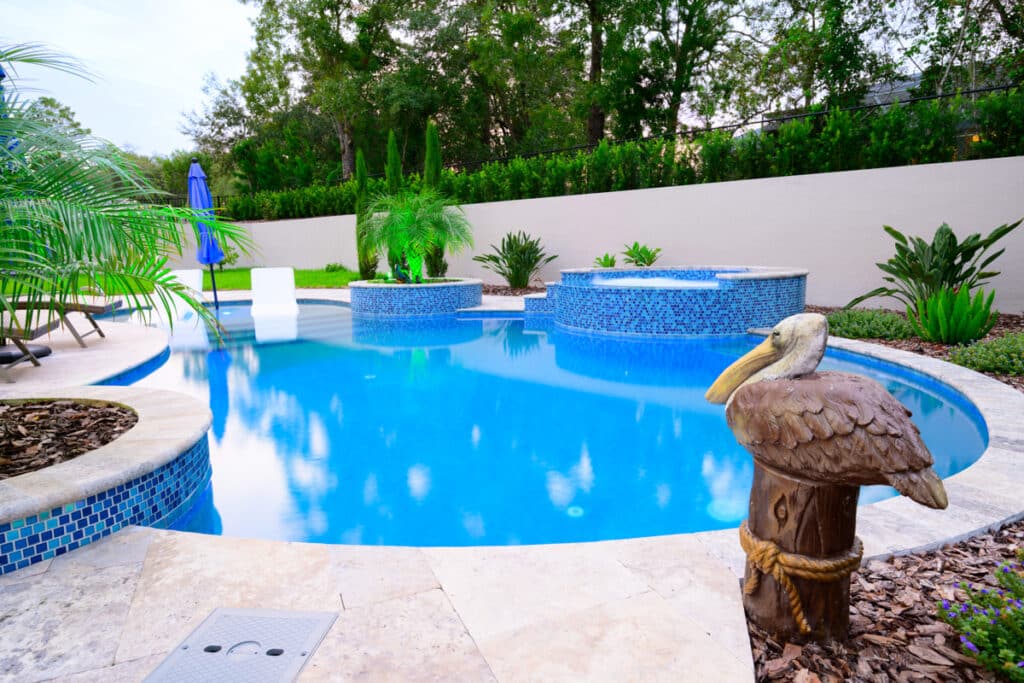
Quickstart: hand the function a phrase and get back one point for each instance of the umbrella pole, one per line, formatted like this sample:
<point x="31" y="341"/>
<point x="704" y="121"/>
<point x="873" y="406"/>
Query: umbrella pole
<point x="213" y="281"/>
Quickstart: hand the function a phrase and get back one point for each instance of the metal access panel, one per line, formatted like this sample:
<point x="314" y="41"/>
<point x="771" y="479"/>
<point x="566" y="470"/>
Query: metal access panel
<point x="251" y="645"/>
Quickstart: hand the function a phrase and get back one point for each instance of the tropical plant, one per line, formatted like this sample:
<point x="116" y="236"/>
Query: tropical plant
<point x="605" y="260"/>
<point x="231" y="257"/>
<point x="517" y="259"/>
<point x="869" y="324"/>
<point x="991" y="621"/>
<point x="952" y="317"/>
<point x="1003" y="356"/>
<point x="412" y="223"/>
<point x="640" y="255"/>
<point x="70" y="215"/>
<point x="920" y="269"/>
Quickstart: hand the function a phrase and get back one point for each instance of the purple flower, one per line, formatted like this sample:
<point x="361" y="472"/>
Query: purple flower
<point x="1006" y="569"/>
<point x="952" y="615"/>
<point x="968" y="644"/>
<point x="1020" y="664"/>
<point x="945" y="604"/>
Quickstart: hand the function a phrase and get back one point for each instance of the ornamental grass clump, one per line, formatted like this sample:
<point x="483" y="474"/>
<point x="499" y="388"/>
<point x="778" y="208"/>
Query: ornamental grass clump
<point x="991" y="621"/>
<point x="869" y="324"/>
<point x="1003" y="356"/>
<point x="953" y="317"/>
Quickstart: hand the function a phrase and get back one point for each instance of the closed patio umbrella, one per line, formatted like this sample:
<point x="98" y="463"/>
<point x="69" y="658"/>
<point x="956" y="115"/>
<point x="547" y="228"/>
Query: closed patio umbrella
<point x="199" y="198"/>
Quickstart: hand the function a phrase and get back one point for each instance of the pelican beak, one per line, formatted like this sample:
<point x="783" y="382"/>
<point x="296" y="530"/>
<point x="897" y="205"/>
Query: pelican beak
<point x="762" y="355"/>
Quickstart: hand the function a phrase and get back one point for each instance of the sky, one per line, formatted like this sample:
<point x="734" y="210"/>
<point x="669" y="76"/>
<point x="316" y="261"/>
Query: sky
<point x="148" y="60"/>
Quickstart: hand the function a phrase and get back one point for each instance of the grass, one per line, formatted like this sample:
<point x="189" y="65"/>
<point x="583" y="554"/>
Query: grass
<point x="238" y="278"/>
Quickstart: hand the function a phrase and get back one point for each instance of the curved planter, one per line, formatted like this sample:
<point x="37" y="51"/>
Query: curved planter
<point x="432" y="298"/>
<point x="674" y="301"/>
<point x="148" y="476"/>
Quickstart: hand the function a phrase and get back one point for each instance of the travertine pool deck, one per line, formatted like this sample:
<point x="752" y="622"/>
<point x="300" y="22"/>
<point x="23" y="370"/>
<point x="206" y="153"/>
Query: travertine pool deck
<point x="665" y="608"/>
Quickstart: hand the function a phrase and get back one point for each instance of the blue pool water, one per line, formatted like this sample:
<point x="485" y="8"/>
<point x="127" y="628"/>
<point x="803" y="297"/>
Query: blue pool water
<point x="478" y="432"/>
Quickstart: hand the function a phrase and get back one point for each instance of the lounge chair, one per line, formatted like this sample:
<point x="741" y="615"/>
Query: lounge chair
<point x="62" y="309"/>
<point x="19" y="334"/>
<point x="275" y="312"/>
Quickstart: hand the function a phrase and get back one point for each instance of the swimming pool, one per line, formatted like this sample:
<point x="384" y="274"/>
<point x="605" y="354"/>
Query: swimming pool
<point x="453" y="431"/>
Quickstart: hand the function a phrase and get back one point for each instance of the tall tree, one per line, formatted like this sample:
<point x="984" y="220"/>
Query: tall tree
<point x="393" y="169"/>
<point x="367" y="255"/>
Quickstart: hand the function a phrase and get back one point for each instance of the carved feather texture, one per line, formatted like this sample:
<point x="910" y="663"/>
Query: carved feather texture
<point x="835" y="427"/>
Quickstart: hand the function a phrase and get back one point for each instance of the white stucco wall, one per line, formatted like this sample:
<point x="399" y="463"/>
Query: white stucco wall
<point x="830" y="224"/>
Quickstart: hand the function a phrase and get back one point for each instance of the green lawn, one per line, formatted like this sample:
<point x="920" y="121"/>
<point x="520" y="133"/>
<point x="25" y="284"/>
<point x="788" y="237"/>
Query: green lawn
<point x="238" y="278"/>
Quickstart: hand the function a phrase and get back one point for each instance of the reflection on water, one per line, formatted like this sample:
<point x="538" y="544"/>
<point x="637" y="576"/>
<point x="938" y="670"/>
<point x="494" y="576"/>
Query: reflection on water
<point x="486" y="433"/>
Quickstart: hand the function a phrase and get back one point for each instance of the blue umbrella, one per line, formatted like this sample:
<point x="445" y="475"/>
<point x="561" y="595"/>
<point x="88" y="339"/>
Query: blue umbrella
<point x="199" y="198"/>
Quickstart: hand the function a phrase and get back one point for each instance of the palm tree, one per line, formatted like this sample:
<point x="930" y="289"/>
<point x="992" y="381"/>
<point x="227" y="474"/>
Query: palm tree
<point x="75" y="214"/>
<point x="415" y="223"/>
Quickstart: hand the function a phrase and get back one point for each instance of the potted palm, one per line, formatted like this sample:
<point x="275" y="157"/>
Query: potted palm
<point x="413" y="225"/>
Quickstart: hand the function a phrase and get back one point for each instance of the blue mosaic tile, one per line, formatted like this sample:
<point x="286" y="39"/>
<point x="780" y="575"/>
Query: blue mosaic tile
<point x="410" y="300"/>
<point x="731" y="307"/>
<point x="132" y="375"/>
<point x="154" y="499"/>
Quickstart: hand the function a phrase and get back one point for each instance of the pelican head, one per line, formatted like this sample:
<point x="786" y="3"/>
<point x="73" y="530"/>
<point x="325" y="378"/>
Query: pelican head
<point x="794" y="348"/>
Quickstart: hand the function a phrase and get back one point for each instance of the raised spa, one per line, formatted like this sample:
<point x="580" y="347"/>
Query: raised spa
<point x="671" y="301"/>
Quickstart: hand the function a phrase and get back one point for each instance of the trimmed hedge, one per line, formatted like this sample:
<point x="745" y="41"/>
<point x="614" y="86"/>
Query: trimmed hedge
<point x="917" y="133"/>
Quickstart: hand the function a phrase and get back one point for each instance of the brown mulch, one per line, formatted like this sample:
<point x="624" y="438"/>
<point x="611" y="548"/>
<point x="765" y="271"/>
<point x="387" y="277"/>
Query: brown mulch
<point x="43" y="433"/>
<point x="501" y="290"/>
<point x="1007" y="323"/>
<point x="894" y="632"/>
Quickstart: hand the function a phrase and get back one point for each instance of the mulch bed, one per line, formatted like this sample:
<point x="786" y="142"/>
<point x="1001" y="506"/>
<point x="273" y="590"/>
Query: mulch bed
<point x="43" y="433"/>
<point x="894" y="633"/>
<point x="501" y="290"/>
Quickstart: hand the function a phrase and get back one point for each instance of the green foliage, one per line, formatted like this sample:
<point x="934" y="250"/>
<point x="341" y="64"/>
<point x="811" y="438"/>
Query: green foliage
<point x="334" y="268"/>
<point x="991" y="621"/>
<point x="606" y="260"/>
<point x="517" y="259"/>
<point x="366" y="255"/>
<point x="1003" y="356"/>
<point x="920" y="269"/>
<point x="869" y="324"/>
<point x="437" y="266"/>
<point x="951" y="317"/>
<point x="640" y="255"/>
<point x="231" y="257"/>
<point x="393" y="170"/>
<point x="414" y="223"/>
<point x="921" y="132"/>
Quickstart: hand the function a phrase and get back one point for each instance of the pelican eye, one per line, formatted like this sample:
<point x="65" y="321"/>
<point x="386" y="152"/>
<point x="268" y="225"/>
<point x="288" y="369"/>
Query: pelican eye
<point x="776" y="334"/>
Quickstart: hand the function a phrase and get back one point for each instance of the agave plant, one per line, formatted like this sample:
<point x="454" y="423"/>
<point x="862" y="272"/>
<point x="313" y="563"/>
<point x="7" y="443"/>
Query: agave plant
<point x="921" y="269"/>
<point x="76" y="216"/>
<point x="415" y="223"/>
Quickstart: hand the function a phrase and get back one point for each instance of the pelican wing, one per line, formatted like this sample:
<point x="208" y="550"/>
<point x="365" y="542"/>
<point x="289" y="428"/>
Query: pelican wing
<point x="832" y="427"/>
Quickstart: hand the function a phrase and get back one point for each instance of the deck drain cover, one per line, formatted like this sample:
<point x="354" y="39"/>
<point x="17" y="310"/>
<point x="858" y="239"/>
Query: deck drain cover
<point x="246" y="645"/>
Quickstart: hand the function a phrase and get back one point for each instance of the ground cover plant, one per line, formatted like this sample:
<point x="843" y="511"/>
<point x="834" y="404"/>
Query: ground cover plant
<point x="517" y="259"/>
<point x="990" y="620"/>
<point x="856" y="323"/>
<point x="1001" y="356"/>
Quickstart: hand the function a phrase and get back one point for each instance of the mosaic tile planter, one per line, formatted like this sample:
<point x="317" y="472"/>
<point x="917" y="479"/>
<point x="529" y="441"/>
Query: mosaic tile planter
<point x="147" y="476"/>
<point x="432" y="298"/>
<point x="677" y="301"/>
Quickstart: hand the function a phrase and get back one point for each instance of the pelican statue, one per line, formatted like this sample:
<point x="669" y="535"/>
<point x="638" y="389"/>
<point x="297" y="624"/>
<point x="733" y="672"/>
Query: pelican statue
<point x="816" y="437"/>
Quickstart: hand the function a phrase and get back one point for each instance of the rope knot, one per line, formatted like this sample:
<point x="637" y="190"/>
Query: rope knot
<point x="767" y="557"/>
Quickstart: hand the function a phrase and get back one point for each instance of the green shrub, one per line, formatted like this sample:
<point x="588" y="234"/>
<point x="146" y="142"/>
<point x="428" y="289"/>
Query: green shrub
<point x="1000" y="126"/>
<point x="230" y="257"/>
<point x="1003" y="356"/>
<point x="640" y="255"/>
<point x="953" y="317"/>
<point x="991" y="621"/>
<point x="920" y="269"/>
<point x="869" y="324"/>
<point x="334" y="268"/>
<point x="605" y="261"/>
<point x="517" y="259"/>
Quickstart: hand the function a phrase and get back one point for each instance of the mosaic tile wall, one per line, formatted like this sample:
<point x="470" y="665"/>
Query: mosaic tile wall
<point x="733" y="307"/>
<point x="585" y="277"/>
<point x="154" y="499"/>
<point x="394" y="300"/>
<point x="542" y="305"/>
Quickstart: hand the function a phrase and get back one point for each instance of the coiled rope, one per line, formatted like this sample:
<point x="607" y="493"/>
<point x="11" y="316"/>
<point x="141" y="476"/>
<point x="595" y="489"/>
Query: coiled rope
<point x="768" y="558"/>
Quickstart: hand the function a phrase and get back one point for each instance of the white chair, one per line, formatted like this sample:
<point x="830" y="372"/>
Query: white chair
<point x="275" y="312"/>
